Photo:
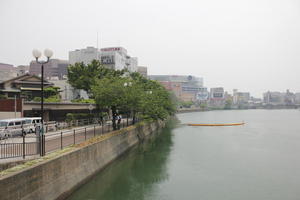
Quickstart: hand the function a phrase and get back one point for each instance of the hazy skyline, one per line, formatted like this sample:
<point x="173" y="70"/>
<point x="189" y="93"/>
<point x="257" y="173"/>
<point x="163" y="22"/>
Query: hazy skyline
<point x="249" y="45"/>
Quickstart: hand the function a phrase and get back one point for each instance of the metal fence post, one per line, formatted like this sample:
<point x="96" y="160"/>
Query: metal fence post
<point x="24" y="147"/>
<point x="40" y="145"/>
<point x="61" y="142"/>
<point x="85" y="133"/>
<point x="94" y="130"/>
<point x="44" y="149"/>
<point x="127" y="119"/>
<point x="74" y="135"/>
<point x="102" y="127"/>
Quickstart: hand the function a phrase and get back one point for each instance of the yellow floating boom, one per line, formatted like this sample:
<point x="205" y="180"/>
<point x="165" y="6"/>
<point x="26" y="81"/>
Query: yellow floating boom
<point x="230" y="124"/>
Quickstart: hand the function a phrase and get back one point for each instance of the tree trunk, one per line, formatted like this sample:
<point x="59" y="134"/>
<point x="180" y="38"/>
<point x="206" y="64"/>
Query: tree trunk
<point x="114" y="114"/>
<point x="133" y="117"/>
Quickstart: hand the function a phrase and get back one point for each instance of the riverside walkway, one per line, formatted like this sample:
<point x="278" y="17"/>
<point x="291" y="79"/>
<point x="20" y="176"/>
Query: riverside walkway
<point x="29" y="146"/>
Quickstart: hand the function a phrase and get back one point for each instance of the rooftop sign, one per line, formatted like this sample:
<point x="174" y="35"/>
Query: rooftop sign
<point x="111" y="49"/>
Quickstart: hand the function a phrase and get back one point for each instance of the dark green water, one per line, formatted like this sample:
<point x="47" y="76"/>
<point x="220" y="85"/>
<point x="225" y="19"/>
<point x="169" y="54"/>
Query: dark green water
<point x="259" y="160"/>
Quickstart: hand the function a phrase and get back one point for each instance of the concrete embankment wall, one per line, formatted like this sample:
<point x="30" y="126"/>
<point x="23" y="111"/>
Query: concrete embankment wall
<point x="58" y="177"/>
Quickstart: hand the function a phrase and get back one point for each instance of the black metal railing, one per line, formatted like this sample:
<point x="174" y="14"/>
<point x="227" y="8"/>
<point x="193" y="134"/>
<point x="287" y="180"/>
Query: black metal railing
<point x="19" y="147"/>
<point x="30" y="144"/>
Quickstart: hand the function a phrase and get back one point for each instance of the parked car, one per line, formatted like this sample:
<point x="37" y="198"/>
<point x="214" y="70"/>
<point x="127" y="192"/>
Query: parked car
<point x="12" y="127"/>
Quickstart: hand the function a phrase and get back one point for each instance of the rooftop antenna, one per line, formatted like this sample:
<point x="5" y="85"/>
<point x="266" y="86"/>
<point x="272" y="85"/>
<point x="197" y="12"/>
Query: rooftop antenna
<point x="97" y="39"/>
<point x="97" y="47"/>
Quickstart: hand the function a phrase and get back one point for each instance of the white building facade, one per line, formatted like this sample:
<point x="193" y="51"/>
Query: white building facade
<point x="112" y="57"/>
<point x="67" y="92"/>
<point x="240" y="97"/>
<point x="202" y="95"/>
<point x="83" y="55"/>
<point x="117" y="58"/>
<point x="217" y="97"/>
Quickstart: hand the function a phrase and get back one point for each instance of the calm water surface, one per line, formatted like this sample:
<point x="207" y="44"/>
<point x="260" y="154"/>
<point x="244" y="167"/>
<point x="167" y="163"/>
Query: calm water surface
<point x="260" y="160"/>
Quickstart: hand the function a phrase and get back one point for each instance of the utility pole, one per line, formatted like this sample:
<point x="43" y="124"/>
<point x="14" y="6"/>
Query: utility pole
<point x="15" y="106"/>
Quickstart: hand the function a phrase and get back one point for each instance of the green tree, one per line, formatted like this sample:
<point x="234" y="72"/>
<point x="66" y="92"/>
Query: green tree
<point x="156" y="102"/>
<point x="53" y="99"/>
<point x="122" y="91"/>
<point x="109" y="93"/>
<point x="134" y="94"/>
<point x="203" y="106"/>
<point x="51" y="91"/>
<point x="90" y="101"/>
<point x="228" y="104"/>
<point x="186" y="104"/>
<point x="82" y="76"/>
<point x="132" y="97"/>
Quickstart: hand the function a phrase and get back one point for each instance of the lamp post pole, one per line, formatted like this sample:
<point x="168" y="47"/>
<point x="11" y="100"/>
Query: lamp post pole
<point x="127" y="84"/>
<point x="37" y="54"/>
<point x="42" y="95"/>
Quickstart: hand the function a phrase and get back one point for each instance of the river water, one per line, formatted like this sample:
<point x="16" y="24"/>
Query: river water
<point x="260" y="160"/>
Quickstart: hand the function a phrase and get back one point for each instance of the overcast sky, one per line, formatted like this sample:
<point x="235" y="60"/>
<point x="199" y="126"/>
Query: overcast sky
<point x="250" y="45"/>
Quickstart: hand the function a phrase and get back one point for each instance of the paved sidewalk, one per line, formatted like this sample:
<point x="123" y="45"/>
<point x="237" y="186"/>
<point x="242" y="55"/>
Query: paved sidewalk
<point x="54" y="140"/>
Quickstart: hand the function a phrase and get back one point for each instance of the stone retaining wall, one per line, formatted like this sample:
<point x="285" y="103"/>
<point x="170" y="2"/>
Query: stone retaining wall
<point x="58" y="177"/>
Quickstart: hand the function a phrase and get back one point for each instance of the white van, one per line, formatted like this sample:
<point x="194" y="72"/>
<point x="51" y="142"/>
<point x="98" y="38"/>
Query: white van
<point x="12" y="127"/>
<point x="32" y="123"/>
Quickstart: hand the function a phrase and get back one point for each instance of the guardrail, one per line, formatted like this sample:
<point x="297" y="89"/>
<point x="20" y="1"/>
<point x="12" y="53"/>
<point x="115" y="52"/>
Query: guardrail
<point x="20" y="147"/>
<point x="30" y="144"/>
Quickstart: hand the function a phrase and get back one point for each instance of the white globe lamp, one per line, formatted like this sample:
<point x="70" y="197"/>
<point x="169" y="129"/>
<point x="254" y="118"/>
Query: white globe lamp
<point x="48" y="53"/>
<point x="36" y="53"/>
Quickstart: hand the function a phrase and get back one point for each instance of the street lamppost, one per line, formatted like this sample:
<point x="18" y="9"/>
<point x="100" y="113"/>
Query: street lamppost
<point x="127" y="84"/>
<point x="37" y="54"/>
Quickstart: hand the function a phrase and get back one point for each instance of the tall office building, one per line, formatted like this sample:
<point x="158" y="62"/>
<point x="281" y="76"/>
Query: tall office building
<point x="7" y="72"/>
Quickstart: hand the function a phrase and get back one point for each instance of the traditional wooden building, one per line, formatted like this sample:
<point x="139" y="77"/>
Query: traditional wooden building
<point x="26" y="86"/>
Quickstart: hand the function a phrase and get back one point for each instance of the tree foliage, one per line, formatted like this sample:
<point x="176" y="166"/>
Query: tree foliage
<point x="51" y="91"/>
<point x="136" y="94"/>
<point x="122" y="91"/>
<point x="82" y="76"/>
<point x="90" y="101"/>
<point x="228" y="104"/>
<point x="186" y="104"/>
<point x="51" y="95"/>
